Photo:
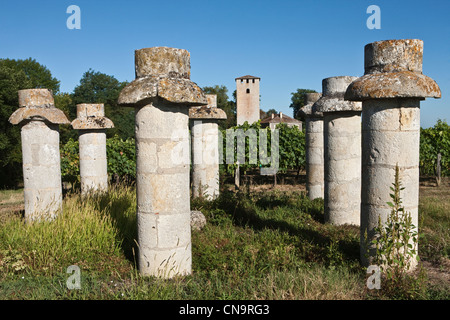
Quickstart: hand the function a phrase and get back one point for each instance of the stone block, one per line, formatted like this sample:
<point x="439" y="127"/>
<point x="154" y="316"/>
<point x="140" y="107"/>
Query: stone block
<point x="165" y="263"/>
<point x="198" y="220"/>
<point x="176" y="230"/>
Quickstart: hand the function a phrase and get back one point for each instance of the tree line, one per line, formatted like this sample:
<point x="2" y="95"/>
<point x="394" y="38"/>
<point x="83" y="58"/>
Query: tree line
<point x="97" y="87"/>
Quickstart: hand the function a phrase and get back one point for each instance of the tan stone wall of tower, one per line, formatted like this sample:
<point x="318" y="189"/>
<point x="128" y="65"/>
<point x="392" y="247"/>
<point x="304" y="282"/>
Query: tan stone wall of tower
<point x="247" y="100"/>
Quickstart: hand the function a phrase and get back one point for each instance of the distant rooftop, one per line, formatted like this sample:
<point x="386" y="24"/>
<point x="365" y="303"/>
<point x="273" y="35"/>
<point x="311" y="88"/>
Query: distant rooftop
<point x="279" y="118"/>
<point x="247" y="77"/>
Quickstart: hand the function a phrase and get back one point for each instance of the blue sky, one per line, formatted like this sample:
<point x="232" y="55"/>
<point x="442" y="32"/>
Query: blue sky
<point x="289" y="44"/>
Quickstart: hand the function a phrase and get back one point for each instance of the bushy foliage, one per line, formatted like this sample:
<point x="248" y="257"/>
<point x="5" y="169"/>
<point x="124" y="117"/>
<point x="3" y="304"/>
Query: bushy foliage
<point x="16" y="75"/>
<point x="291" y="147"/>
<point x="298" y="100"/>
<point x="98" y="87"/>
<point x="229" y="106"/>
<point x="121" y="156"/>
<point x="70" y="162"/>
<point x="433" y="141"/>
<point x="396" y="241"/>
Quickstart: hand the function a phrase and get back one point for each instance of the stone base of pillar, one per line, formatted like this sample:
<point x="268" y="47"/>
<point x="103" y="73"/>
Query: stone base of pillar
<point x="162" y="183"/>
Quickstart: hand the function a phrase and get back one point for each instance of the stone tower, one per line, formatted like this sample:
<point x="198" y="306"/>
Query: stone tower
<point x="247" y="99"/>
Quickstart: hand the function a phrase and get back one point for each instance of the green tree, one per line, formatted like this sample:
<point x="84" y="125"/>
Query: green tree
<point x="17" y="75"/>
<point x="64" y="102"/>
<point x="39" y="75"/>
<point x="221" y="92"/>
<point x="291" y="148"/>
<point x="97" y="87"/>
<point x="10" y="145"/>
<point x="262" y="114"/>
<point x="298" y="100"/>
<point x="433" y="141"/>
<point x="270" y="112"/>
<point x="121" y="155"/>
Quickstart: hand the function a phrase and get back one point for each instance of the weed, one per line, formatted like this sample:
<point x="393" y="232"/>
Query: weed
<point x="396" y="249"/>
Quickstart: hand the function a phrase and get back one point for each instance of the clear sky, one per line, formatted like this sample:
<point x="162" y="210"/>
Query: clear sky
<point x="289" y="44"/>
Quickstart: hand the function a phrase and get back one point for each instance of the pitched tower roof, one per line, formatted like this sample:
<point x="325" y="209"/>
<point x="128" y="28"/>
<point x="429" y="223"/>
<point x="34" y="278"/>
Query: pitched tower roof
<point x="247" y="77"/>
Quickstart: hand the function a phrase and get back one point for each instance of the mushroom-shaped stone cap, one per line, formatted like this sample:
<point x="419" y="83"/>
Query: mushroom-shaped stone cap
<point x="37" y="104"/>
<point x="208" y="112"/>
<point x="393" y="69"/>
<point x="333" y="98"/>
<point x="162" y="73"/>
<point x="310" y="99"/>
<point x="91" y="117"/>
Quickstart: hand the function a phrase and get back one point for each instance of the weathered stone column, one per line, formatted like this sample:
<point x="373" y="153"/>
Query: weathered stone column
<point x="342" y="146"/>
<point x="390" y="91"/>
<point x="40" y="151"/>
<point x="314" y="147"/>
<point x="205" y="148"/>
<point x="92" y="124"/>
<point x="162" y="95"/>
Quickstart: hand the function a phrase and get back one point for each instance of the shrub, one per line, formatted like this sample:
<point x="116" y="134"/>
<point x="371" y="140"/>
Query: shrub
<point x="433" y="141"/>
<point x="121" y="155"/>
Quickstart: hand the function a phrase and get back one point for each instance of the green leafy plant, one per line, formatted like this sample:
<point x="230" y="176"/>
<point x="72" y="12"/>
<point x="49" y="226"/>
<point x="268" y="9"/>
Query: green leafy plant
<point x="12" y="261"/>
<point x="396" y="240"/>
<point x="70" y="163"/>
<point x="433" y="141"/>
<point x="121" y="156"/>
<point x="292" y="152"/>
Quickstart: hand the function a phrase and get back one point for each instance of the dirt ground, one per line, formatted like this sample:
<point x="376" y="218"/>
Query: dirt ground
<point x="429" y="187"/>
<point x="438" y="274"/>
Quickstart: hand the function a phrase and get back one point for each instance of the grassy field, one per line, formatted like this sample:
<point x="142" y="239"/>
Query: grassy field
<point x="267" y="244"/>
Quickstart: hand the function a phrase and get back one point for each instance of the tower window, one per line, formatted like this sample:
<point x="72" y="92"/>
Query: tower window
<point x="247" y="80"/>
<point x="248" y="90"/>
<point x="253" y="80"/>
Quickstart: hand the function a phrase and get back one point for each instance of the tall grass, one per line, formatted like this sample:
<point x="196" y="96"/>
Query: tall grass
<point x="434" y="223"/>
<point x="90" y="232"/>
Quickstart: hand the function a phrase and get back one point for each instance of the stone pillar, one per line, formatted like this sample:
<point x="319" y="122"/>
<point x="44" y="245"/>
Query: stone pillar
<point x="92" y="124"/>
<point x="162" y="94"/>
<point x="205" y="148"/>
<point x="314" y="147"/>
<point x="342" y="146"/>
<point x="390" y="91"/>
<point x="40" y="152"/>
